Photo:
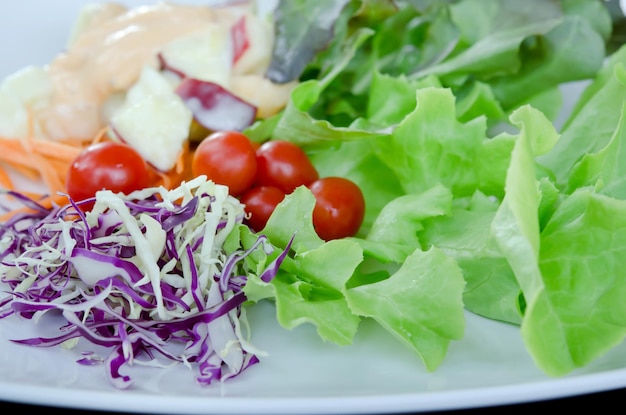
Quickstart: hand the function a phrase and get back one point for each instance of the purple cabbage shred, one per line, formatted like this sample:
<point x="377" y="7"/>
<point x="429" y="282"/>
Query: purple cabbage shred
<point x="146" y="276"/>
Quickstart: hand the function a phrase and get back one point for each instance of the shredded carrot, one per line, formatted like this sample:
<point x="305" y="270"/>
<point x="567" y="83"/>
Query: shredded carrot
<point x="40" y="159"/>
<point x="37" y="159"/>
<point x="101" y="136"/>
<point x="49" y="161"/>
<point x="5" y="180"/>
<point x="13" y="152"/>
<point x="27" y="172"/>
<point x="46" y="201"/>
<point x="56" y="150"/>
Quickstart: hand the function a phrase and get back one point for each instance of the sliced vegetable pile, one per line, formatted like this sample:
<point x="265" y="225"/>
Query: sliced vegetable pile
<point x="146" y="274"/>
<point x="443" y="120"/>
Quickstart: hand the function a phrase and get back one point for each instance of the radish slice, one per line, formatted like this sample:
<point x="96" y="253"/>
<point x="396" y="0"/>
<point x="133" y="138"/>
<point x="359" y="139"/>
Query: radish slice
<point x="214" y="107"/>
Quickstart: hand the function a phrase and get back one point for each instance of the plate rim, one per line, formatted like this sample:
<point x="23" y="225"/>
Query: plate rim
<point x="463" y="398"/>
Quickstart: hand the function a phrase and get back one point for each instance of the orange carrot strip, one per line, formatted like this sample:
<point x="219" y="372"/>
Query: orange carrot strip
<point x="20" y="151"/>
<point x="20" y="157"/>
<point x="14" y="153"/>
<point x="27" y="171"/>
<point x="61" y="167"/>
<point x="49" y="175"/>
<point x="5" y="180"/>
<point x="56" y="150"/>
<point x="39" y="159"/>
<point x="101" y="136"/>
<point x="46" y="171"/>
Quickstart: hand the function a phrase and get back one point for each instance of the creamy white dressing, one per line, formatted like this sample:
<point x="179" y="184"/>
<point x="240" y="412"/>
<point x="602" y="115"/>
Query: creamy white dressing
<point x="96" y="83"/>
<point x="108" y="55"/>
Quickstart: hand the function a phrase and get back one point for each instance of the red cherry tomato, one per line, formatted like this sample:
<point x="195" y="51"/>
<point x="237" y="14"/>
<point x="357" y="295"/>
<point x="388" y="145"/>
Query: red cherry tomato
<point x="108" y="165"/>
<point x="260" y="202"/>
<point x="227" y="158"/>
<point x="255" y="145"/>
<point x="284" y="165"/>
<point x="339" y="207"/>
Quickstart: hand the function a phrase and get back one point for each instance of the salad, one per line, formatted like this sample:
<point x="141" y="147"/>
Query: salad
<point x="474" y="200"/>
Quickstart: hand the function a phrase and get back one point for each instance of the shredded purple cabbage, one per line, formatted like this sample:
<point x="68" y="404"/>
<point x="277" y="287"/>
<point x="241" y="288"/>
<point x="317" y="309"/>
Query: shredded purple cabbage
<point x="140" y="274"/>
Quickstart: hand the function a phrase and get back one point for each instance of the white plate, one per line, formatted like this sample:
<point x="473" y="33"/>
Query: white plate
<point x="301" y="374"/>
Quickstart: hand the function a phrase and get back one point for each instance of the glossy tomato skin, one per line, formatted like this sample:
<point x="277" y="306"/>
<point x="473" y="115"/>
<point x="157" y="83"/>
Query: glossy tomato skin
<point x="285" y="165"/>
<point x="339" y="207"/>
<point x="227" y="158"/>
<point x="107" y="165"/>
<point x="260" y="202"/>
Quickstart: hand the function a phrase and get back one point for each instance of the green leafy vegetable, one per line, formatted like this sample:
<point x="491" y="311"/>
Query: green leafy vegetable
<point x="578" y="315"/>
<point x="303" y="28"/>
<point x="411" y="302"/>
<point x="474" y="201"/>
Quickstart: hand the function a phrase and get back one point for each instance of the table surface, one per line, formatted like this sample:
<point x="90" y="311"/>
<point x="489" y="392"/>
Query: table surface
<point x="598" y="399"/>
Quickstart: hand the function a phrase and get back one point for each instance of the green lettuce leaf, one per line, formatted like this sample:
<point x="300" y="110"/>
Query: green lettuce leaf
<point x="313" y="291"/>
<point x="327" y="285"/>
<point x="516" y="224"/>
<point x="465" y="234"/>
<point x="572" y="291"/>
<point x="577" y="316"/>
<point x="432" y="147"/>
<point x="604" y="170"/>
<point x="302" y="28"/>
<point x="393" y="236"/>
<point x="420" y="304"/>
<point x="523" y="225"/>
<point x="593" y="126"/>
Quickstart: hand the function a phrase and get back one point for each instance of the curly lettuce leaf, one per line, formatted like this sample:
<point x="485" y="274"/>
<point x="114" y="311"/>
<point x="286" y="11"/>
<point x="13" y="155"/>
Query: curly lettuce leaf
<point x="577" y="315"/>
<point x="430" y="146"/>
<point x="393" y="236"/>
<point x="493" y="212"/>
<point x="572" y="290"/>
<point x="316" y="294"/>
<point x="326" y="284"/>
<point x="516" y="224"/>
<point x="594" y="124"/>
<point x="605" y="170"/>
<point x="465" y="234"/>
<point x="412" y="303"/>
<point x="309" y="286"/>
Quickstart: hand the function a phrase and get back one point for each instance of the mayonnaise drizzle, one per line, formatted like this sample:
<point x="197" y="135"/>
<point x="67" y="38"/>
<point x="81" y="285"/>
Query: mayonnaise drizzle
<point x="107" y="55"/>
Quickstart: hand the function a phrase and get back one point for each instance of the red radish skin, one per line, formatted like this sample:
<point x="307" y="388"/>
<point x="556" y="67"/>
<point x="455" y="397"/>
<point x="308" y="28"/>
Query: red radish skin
<point x="214" y="107"/>
<point x="239" y="36"/>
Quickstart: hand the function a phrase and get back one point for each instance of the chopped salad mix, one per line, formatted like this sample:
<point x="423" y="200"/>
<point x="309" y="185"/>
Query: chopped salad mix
<point x="443" y="113"/>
